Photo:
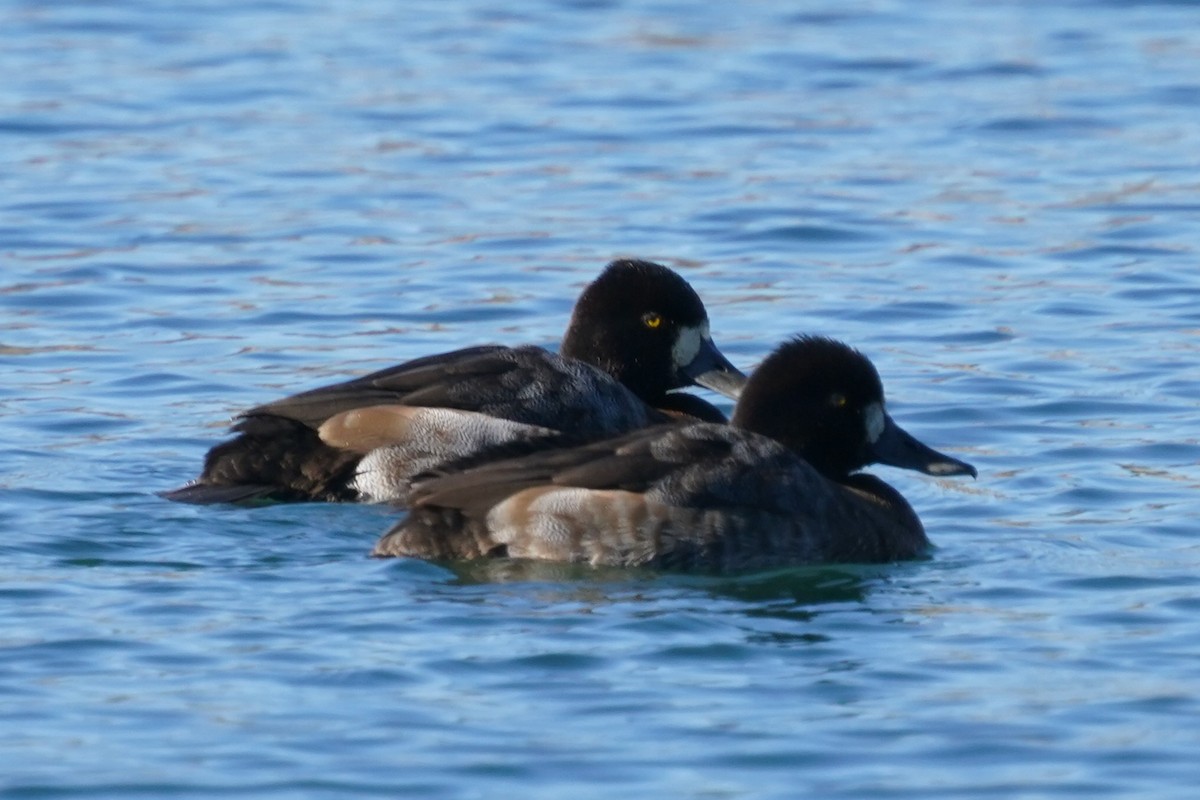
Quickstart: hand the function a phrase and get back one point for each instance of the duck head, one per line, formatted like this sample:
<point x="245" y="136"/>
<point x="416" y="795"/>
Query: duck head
<point x="645" y="325"/>
<point x="824" y="400"/>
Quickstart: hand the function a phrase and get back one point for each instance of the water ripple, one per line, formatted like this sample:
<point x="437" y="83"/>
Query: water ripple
<point x="208" y="206"/>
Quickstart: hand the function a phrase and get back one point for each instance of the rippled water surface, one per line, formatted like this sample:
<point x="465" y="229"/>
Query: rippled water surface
<point x="204" y="206"/>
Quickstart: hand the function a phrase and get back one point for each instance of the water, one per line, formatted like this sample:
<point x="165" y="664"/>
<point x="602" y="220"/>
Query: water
<point x="204" y="207"/>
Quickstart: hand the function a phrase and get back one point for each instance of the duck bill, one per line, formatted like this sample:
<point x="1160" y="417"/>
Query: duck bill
<point x="898" y="448"/>
<point x="712" y="370"/>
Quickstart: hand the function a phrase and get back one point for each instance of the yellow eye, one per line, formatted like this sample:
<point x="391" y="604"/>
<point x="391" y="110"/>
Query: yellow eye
<point x="837" y="400"/>
<point x="651" y="320"/>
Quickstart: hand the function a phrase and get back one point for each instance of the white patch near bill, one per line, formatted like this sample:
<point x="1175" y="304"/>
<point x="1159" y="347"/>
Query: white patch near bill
<point x="687" y="344"/>
<point x="876" y="421"/>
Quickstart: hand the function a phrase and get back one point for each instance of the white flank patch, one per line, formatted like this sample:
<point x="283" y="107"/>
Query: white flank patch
<point x="434" y="437"/>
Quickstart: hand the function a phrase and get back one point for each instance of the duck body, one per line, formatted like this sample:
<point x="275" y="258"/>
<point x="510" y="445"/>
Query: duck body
<point x="701" y="496"/>
<point x="366" y="438"/>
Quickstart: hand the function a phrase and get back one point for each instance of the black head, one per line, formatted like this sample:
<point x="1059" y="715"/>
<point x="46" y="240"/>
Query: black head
<point x="824" y="399"/>
<point x="645" y="325"/>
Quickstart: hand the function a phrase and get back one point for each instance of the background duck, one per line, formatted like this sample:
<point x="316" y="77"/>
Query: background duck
<point x="775" y="488"/>
<point x="637" y="332"/>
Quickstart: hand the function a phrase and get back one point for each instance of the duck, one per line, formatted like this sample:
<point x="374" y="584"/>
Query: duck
<point x="778" y="486"/>
<point x="637" y="334"/>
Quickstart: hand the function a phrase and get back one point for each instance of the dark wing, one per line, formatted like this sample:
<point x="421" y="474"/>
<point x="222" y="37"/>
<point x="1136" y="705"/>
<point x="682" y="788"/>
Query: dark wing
<point x="698" y="466"/>
<point x="387" y="386"/>
<point x="528" y="385"/>
<point x="635" y="462"/>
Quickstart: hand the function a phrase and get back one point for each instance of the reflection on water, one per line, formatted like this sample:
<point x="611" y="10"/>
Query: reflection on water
<point x="803" y="586"/>
<point x="507" y="570"/>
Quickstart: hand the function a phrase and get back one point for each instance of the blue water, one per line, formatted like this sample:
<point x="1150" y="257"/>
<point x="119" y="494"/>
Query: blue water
<point x="205" y="206"/>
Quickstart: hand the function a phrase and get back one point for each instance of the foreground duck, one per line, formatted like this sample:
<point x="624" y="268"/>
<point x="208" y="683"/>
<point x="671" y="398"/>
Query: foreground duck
<point x="777" y="487"/>
<point x="637" y="332"/>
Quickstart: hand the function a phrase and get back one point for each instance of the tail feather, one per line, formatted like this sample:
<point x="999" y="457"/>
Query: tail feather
<point x="271" y="460"/>
<point x="202" y="494"/>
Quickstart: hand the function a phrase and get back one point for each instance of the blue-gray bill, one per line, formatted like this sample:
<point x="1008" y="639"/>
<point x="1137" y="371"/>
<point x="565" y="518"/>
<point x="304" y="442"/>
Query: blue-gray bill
<point x="712" y="370"/>
<point x="898" y="448"/>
